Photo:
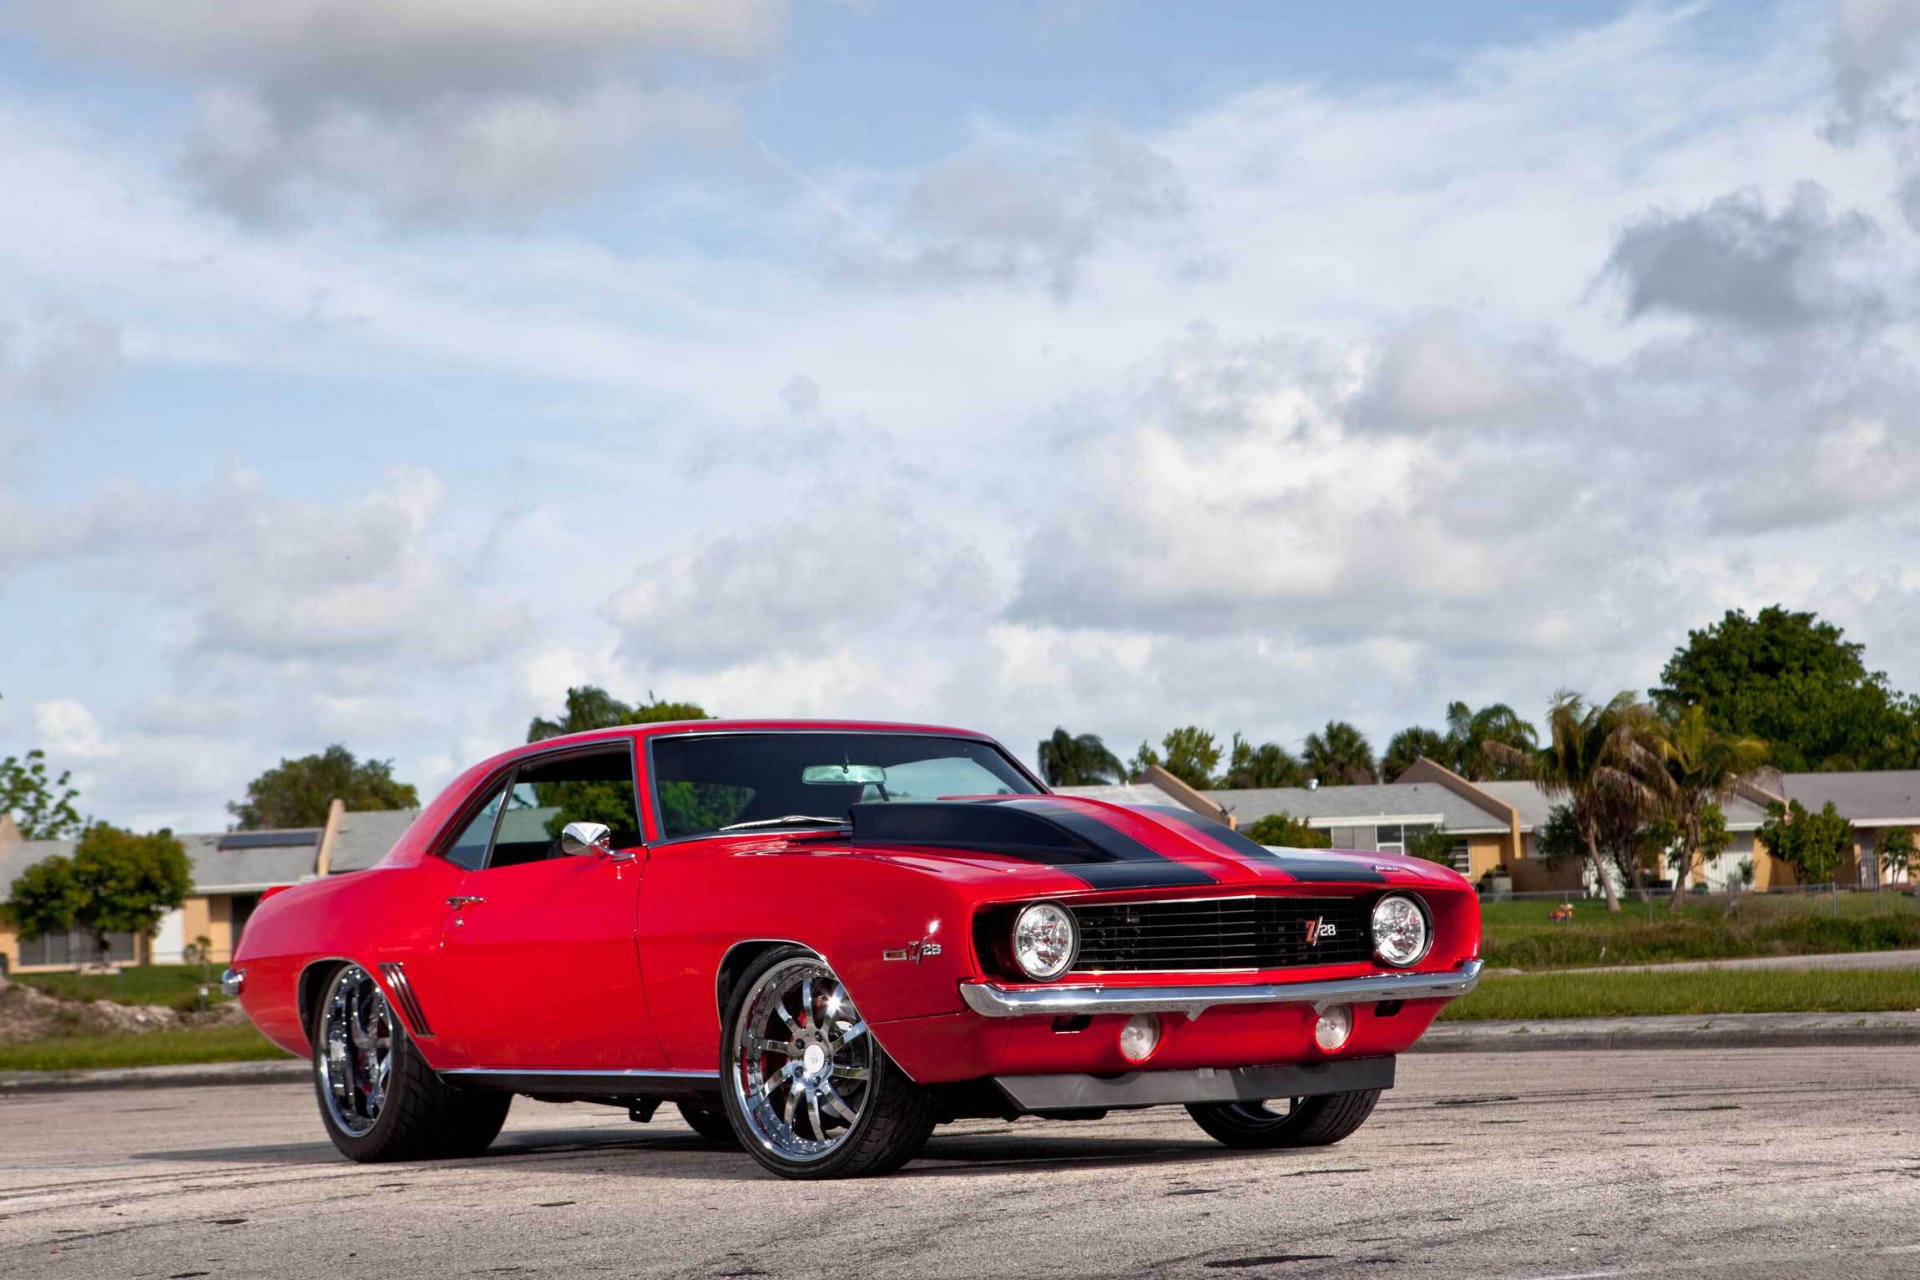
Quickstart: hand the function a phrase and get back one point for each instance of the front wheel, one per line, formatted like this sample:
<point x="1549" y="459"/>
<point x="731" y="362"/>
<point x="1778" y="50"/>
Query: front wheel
<point x="808" y="1089"/>
<point x="379" y="1099"/>
<point x="1304" y="1122"/>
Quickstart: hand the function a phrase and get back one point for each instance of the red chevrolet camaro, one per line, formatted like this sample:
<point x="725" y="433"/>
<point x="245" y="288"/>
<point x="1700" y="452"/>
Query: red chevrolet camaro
<point x="822" y="939"/>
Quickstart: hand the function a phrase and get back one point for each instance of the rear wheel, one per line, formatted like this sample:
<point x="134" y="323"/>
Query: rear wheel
<point x="808" y="1089"/>
<point x="1296" y="1122"/>
<point x="378" y="1098"/>
<point x="710" y="1123"/>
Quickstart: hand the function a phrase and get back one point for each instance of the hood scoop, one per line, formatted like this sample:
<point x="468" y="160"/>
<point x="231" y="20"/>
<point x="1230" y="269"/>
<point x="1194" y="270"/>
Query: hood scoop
<point x="1033" y="828"/>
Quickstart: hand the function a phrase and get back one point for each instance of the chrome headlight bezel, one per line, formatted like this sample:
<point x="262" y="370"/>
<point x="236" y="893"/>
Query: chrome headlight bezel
<point x="1034" y="911"/>
<point x="1375" y="928"/>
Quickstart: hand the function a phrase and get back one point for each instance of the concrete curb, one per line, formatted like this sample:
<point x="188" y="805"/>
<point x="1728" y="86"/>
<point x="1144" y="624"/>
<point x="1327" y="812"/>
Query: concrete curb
<point x="269" y="1071"/>
<point x="1711" y="1031"/>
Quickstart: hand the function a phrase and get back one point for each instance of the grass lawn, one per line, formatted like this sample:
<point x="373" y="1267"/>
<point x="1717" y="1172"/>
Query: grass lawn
<point x="153" y="1049"/>
<point x="1604" y="995"/>
<point x="177" y="986"/>
<point x="1518" y="935"/>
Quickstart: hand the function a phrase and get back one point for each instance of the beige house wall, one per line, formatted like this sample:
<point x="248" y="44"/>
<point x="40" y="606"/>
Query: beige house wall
<point x="1533" y="875"/>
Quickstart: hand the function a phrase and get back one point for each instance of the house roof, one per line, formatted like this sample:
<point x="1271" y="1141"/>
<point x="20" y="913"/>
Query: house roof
<point x="364" y="838"/>
<point x="1535" y="806"/>
<point x="1383" y="802"/>
<point x="18" y="856"/>
<point x="1885" y="797"/>
<point x="251" y="860"/>
<point x="1123" y="793"/>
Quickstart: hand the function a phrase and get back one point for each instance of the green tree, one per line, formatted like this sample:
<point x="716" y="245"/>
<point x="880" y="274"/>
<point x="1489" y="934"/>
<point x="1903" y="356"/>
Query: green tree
<point x="1797" y="684"/>
<point x="1436" y="845"/>
<point x="1069" y="760"/>
<point x="1409" y="745"/>
<point x="1192" y="755"/>
<point x="1339" y="754"/>
<point x="1474" y="736"/>
<point x="115" y="882"/>
<point x="1815" y="845"/>
<point x="1896" y="852"/>
<point x="1701" y="766"/>
<point x="591" y="707"/>
<point x="1287" y="832"/>
<point x="296" y="793"/>
<point x="1143" y="759"/>
<point x="611" y="803"/>
<point x="1603" y="760"/>
<point x="42" y="806"/>
<point x="1267" y="765"/>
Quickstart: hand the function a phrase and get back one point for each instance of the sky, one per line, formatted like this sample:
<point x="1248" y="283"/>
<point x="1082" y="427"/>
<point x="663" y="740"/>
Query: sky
<point x="373" y="370"/>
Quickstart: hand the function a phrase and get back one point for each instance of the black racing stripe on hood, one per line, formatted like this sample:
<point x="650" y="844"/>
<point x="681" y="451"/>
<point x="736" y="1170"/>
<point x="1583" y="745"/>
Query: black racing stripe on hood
<point x="1301" y="864"/>
<point x="1030" y="829"/>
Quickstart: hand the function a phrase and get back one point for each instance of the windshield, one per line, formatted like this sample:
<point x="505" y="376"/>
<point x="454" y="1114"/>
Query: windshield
<point x="763" y="781"/>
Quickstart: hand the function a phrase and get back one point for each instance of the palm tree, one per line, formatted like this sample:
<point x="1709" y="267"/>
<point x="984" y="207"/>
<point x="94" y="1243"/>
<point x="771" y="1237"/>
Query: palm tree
<point x="1604" y="761"/>
<point x="1083" y="761"/>
<point x="1339" y="754"/>
<point x="1411" y="744"/>
<point x="1267" y="765"/>
<point x="1470" y="732"/>
<point x="1702" y="765"/>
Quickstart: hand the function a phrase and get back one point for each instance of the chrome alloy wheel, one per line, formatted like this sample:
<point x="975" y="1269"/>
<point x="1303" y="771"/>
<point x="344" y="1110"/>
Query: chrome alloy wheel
<point x="357" y="1058"/>
<point x="803" y="1063"/>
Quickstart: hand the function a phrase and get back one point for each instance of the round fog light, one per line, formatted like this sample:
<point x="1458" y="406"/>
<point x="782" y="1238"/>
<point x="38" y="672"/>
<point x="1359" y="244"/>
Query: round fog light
<point x="1140" y="1037"/>
<point x="1333" y="1028"/>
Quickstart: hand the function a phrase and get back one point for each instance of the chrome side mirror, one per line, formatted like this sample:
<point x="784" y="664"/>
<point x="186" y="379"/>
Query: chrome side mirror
<point x="582" y="838"/>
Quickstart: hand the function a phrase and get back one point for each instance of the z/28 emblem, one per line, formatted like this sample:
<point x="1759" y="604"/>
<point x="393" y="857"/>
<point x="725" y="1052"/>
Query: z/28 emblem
<point x="1318" y="929"/>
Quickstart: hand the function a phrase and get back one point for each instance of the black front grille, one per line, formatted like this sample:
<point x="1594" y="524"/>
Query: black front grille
<point x="1223" y="933"/>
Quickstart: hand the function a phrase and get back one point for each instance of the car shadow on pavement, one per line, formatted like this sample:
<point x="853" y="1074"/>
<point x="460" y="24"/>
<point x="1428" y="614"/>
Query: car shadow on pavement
<point x="975" y="1154"/>
<point x="946" y="1156"/>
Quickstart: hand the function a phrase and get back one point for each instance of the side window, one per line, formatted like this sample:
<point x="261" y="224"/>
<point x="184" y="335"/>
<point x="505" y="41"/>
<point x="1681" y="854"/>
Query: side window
<point x="469" y="848"/>
<point x="547" y="795"/>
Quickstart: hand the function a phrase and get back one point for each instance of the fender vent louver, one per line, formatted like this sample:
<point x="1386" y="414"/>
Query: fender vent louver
<point x="402" y="991"/>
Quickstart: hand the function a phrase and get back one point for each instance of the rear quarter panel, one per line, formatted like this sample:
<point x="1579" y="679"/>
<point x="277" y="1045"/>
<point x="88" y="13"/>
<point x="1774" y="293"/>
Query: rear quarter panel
<point x="365" y="916"/>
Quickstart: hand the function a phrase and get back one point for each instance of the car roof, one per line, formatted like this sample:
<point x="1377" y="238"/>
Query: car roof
<point x="664" y="727"/>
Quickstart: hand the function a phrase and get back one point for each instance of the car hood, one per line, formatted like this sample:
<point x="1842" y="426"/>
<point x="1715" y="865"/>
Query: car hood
<point x="1093" y="845"/>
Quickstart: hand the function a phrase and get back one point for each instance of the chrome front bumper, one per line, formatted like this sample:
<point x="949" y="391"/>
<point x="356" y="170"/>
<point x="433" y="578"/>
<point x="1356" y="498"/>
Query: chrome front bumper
<point x="995" y="1001"/>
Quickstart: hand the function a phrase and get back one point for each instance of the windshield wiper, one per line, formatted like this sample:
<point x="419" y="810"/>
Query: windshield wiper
<point x="792" y="819"/>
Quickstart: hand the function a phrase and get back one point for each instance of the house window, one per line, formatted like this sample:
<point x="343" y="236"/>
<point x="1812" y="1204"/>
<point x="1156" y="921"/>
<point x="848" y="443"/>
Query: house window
<point x="73" y="948"/>
<point x="1396" y="838"/>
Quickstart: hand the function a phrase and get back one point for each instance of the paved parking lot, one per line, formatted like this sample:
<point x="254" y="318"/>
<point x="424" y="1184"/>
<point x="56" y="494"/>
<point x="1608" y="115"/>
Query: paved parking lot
<point x="1788" y="1162"/>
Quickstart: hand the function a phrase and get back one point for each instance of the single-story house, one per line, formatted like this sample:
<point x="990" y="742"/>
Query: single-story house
<point x="231" y="870"/>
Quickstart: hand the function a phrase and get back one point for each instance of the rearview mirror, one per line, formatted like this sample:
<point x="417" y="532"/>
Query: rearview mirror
<point x="582" y="838"/>
<point x="842" y="774"/>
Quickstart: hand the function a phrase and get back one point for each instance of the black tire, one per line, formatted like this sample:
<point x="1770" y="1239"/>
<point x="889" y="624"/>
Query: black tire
<point x="710" y="1123"/>
<point x="423" y="1117"/>
<point x="894" y="1119"/>
<point x="1310" y="1122"/>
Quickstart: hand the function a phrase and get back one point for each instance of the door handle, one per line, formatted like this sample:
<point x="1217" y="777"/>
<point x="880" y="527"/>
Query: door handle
<point x="459" y="900"/>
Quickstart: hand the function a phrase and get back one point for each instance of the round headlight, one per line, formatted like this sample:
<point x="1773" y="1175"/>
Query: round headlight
<point x="1044" y="941"/>
<point x="1400" y="934"/>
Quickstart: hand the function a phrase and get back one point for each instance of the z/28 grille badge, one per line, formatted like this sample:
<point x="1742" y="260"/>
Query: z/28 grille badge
<point x="1318" y="929"/>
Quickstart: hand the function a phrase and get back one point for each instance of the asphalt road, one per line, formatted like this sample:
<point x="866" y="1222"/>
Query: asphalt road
<point x="1755" y="1162"/>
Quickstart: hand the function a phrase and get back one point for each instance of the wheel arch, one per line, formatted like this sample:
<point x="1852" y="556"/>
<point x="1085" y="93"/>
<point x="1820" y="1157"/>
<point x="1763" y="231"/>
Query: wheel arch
<point x="741" y="957"/>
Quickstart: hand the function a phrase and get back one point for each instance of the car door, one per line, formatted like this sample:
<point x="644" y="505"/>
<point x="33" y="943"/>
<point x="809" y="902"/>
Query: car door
<point x="540" y="964"/>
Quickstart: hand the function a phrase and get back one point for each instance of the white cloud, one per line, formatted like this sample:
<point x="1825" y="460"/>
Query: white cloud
<point x="429" y="110"/>
<point x="799" y="587"/>
<point x="1736" y="262"/>
<point x="67" y="730"/>
<point x="57" y="354"/>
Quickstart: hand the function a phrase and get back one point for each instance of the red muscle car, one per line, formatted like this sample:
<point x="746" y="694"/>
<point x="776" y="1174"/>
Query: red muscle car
<point x="820" y="940"/>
